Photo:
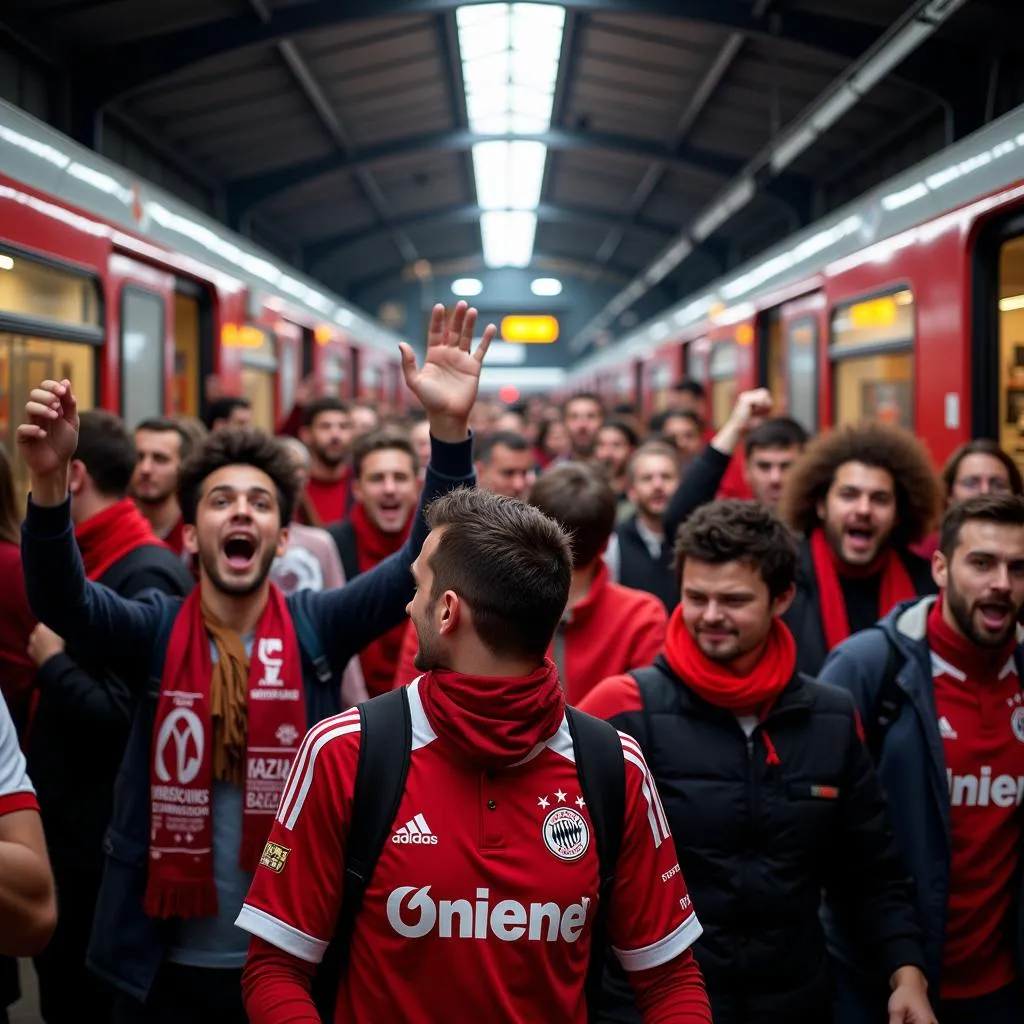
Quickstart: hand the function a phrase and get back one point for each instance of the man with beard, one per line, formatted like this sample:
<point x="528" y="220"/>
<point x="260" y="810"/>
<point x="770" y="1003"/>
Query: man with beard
<point x="385" y="488"/>
<point x="582" y="416"/>
<point x="767" y="786"/>
<point x="504" y="464"/>
<point x="327" y="432"/>
<point x="772" y="447"/>
<point x="616" y="442"/>
<point x="230" y="679"/>
<point x="860" y="496"/>
<point x="640" y="555"/>
<point x="161" y="446"/>
<point x="483" y="902"/>
<point x="950" y="754"/>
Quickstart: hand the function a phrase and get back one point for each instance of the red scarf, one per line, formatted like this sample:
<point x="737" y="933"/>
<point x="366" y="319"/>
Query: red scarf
<point x="981" y="665"/>
<point x="379" y="660"/>
<point x="896" y="586"/>
<point x="108" y="536"/>
<point x="181" y="775"/>
<point x="494" y="721"/>
<point x="753" y="694"/>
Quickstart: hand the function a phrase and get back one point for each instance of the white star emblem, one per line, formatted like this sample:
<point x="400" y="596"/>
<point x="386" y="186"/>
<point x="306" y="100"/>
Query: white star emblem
<point x="188" y="837"/>
<point x="580" y="801"/>
<point x="544" y="802"/>
<point x="560" y="795"/>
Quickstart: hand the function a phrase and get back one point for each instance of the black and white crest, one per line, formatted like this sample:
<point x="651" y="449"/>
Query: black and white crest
<point x="566" y="833"/>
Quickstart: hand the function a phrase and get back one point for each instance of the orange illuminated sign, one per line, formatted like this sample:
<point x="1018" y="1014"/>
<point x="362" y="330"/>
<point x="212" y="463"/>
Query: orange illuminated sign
<point x="529" y="330"/>
<point x="242" y="336"/>
<point x="322" y="334"/>
<point x="873" y="313"/>
<point x="745" y="334"/>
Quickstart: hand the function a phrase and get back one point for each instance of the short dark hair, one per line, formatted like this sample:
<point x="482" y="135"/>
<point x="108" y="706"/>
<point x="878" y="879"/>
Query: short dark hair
<point x="659" y="419"/>
<point x="381" y="441"/>
<point x="578" y="497"/>
<point x="484" y="445"/>
<point x="689" y="386"/>
<point x="222" y="408"/>
<point x="740" y="531"/>
<point x="778" y="432"/>
<point x="165" y="425"/>
<point x="510" y="563"/>
<point x="327" y="404"/>
<point x="662" y="448"/>
<point x="238" y="447"/>
<point x="583" y="396"/>
<point x="1004" y="509"/>
<point x="107" y="451"/>
<point x="624" y="429"/>
<point x="981" y="446"/>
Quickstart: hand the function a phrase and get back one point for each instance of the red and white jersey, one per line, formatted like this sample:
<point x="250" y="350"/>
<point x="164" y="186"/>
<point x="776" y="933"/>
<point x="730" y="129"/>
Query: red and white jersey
<point x="16" y="792"/>
<point x="482" y="902"/>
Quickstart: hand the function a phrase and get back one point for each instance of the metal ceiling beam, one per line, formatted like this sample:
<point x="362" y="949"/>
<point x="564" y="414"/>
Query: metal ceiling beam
<point x="905" y="36"/>
<point x="327" y="116"/>
<point x="120" y="68"/>
<point x="246" y="192"/>
<point x="470" y="213"/>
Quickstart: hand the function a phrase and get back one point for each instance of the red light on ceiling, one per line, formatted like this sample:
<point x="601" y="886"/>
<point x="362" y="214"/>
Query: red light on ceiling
<point x="508" y="394"/>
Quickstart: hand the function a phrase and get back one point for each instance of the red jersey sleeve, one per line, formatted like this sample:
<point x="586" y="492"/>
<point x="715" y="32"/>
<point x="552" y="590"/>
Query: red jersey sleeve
<point x="616" y="695"/>
<point x="650" y="918"/>
<point x="16" y="792"/>
<point x="296" y="892"/>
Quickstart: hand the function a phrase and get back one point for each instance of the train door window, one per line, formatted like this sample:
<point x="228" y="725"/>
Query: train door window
<point x="873" y="359"/>
<point x="142" y="355"/>
<point x="722" y="372"/>
<point x="187" y="368"/>
<point x="802" y="372"/>
<point x="289" y="361"/>
<point x="334" y="375"/>
<point x="773" y="355"/>
<point x="26" y="360"/>
<point x="1011" y="348"/>
<point x="660" y="386"/>
<point x="259" y="370"/>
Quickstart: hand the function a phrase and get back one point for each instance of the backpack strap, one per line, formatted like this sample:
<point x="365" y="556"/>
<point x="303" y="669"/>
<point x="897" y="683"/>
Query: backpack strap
<point x="385" y="746"/>
<point x="889" y="704"/>
<point x="345" y="541"/>
<point x="601" y="769"/>
<point x="308" y="637"/>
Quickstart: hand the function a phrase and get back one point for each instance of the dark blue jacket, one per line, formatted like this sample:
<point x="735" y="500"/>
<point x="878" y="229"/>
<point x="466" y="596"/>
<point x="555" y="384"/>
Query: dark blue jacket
<point x="128" y="947"/>
<point x="912" y="769"/>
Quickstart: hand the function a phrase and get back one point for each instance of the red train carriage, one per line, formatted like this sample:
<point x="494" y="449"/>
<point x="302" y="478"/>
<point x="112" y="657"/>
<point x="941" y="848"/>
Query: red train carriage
<point x="906" y="306"/>
<point x="150" y="307"/>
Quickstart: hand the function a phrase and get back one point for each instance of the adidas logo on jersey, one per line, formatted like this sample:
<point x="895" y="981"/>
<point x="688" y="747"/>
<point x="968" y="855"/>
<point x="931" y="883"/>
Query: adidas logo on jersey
<point x="416" y="832"/>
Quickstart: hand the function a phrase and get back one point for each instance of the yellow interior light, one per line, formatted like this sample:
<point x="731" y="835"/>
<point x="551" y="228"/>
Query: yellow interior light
<point x="879" y="312"/>
<point x="530" y="330"/>
<point x="241" y="336"/>
<point x="6" y="262"/>
<point x="322" y="334"/>
<point x="745" y="334"/>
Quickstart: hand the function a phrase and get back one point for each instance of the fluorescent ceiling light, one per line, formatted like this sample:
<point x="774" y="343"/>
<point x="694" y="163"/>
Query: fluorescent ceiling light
<point x="510" y="55"/>
<point x="467" y="286"/>
<point x="546" y="286"/>
<point x="1010" y="303"/>
<point x="508" y="237"/>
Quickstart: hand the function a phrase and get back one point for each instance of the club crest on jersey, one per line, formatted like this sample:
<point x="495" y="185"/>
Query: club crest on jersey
<point x="566" y="833"/>
<point x="1017" y="723"/>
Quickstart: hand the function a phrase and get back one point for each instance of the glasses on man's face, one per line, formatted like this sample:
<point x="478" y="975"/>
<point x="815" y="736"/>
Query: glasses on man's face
<point x="983" y="485"/>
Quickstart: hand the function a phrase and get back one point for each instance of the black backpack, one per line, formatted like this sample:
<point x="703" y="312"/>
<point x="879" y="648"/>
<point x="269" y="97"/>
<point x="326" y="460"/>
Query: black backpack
<point x="385" y="745"/>
<point x="889" y="703"/>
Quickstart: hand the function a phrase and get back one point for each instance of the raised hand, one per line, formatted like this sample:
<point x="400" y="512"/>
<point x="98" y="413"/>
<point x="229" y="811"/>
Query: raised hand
<point x="48" y="439"/>
<point x="449" y="379"/>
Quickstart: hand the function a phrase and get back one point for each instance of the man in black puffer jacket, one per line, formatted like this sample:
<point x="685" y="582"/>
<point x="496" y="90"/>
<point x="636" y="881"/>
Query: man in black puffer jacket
<point x="767" y="786"/>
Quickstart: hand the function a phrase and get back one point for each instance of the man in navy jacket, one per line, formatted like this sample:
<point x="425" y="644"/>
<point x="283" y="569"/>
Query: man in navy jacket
<point x="207" y="756"/>
<point x="938" y="687"/>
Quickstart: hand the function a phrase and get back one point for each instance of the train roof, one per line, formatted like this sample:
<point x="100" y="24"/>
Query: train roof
<point x="986" y="161"/>
<point x="38" y="155"/>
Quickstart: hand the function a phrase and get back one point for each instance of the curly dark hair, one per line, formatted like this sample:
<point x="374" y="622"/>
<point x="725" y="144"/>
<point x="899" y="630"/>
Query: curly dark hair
<point x="237" y="447"/>
<point x="740" y="531"/>
<point x="900" y="453"/>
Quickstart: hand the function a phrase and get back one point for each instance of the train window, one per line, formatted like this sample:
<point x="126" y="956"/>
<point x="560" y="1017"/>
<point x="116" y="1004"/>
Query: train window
<point x="259" y="370"/>
<point x="142" y="355"/>
<point x="1011" y="348"/>
<point x="44" y="292"/>
<point x="335" y="375"/>
<point x="24" y="361"/>
<point x="660" y="382"/>
<point x="802" y="372"/>
<point x="877" y="388"/>
<point x="882" y="320"/>
<point x="185" y="397"/>
<point x="722" y="371"/>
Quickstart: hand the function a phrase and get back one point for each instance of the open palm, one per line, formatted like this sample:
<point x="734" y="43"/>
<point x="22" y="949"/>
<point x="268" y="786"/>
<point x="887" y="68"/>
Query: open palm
<point x="447" y="382"/>
<point x="49" y="436"/>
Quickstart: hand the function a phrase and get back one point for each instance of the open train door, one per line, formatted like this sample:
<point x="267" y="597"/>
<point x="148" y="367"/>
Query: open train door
<point x="996" y="364"/>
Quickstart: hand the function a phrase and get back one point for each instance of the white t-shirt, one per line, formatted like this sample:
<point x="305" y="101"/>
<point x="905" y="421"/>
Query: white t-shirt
<point x="16" y="792"/>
